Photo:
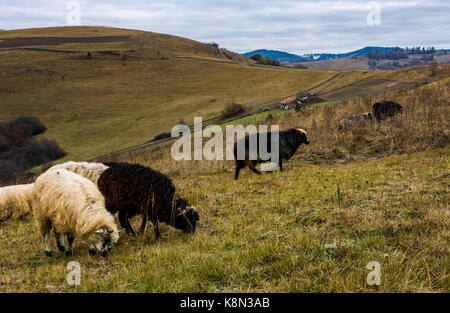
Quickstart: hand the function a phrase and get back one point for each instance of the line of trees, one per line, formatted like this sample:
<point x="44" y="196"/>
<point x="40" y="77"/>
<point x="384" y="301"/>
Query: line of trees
<point x="266" y="61"/>
<point x="419" y="50"/>
<point x="399" y="53"/>
<point x="394" y="54"/>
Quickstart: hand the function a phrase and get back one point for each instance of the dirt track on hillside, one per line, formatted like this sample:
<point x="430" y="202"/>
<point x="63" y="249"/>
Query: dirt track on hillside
<point x="55" y="41"/>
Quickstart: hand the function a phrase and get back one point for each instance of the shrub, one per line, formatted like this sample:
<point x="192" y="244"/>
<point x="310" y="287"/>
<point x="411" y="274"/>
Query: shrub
<point x="267" y="61"/>
<point x="300" y="66"/>
<point x="214" y="44"/>
<point x="433" y="67"/>
<point x="161" y="136"/>
<point x="232" y="109"/>
<point x="19" y="130"/>
<point x="19" y="150"/>
<point x="122" y="55"/>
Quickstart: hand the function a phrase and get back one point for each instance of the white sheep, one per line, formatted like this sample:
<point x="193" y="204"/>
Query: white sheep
<point x="91" y="171"/>
<point x="74" y="207"/>
<point x="15" y="201"/>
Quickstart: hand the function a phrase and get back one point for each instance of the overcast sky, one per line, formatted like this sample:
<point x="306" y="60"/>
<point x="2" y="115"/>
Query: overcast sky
<point x="242" y="25"/>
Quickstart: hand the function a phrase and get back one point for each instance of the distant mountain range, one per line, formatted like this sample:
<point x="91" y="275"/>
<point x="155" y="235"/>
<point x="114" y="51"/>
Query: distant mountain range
<point x="285" y="57"/>
<point x="360" y="52"/>
<point x="280" y="56"/>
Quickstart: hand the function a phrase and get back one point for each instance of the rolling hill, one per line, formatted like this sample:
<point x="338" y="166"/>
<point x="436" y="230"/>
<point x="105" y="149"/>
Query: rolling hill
<point x="100" y="96"/>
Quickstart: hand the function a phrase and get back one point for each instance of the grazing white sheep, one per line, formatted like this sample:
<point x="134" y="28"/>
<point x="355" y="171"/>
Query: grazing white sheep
<point x="15" y="201"/>
<point x="74" y="207"/>
<point x="91" y="171"/>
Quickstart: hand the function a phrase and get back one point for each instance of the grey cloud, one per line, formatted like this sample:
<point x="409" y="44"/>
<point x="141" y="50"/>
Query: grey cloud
<point x="294" y="26"/>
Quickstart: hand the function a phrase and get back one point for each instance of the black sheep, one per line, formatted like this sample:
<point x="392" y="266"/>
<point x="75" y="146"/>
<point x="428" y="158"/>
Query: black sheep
<point x="384" y="109"/>
<point x="289" y="142"/>
<point x="132" y="189"/>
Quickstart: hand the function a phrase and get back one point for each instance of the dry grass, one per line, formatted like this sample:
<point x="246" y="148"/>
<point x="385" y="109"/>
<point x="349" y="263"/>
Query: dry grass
<point x="423" y="125"/>
<point x="271" y="233"/>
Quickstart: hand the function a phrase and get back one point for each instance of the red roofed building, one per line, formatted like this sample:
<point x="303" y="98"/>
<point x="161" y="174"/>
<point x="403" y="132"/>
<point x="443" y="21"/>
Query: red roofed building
<point x="285" y="104"/>
<point x="288" y="100"/>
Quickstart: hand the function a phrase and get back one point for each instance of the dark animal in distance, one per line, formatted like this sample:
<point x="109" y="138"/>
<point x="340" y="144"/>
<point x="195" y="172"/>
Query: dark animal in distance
<point x="351" y="121"/>
<point x="132" y="189"/>
<point x="289" y="142"/>
<point x="384" y="109"/>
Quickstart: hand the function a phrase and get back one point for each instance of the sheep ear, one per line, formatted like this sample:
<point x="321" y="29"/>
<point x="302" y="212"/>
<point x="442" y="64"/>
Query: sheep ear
<point x="100" y="231"/>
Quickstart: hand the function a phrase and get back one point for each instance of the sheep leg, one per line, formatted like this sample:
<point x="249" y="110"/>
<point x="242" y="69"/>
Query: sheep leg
<point x="47" y="245"/>
<point x="125" y="223"/>
<point x="144" y="221"/>
<point x="253" y="169"/>
<point x="92" y="250"/>
<point x="281" y="165"/>
<point x="239" y="166"/>
<point x="59" y="241"/>
<point x="70" y="238"/>
<point x="67" y="245"/>
<point x="156" y="227"/>
<point x="130" y="229"/>
<point x="45" y="227"/>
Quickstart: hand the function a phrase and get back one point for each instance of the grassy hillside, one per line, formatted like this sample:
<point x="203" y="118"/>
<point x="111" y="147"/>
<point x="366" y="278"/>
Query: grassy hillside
<point x="374" y="192"/>
<point x="94" y="106"/>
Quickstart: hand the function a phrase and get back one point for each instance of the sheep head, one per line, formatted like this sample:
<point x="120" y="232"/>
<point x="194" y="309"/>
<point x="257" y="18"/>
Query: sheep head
<point x="186" y="216"/>
<point x="302" y="136"/>
<point x="367" y="116"/>
<point x="103" y="239"/>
